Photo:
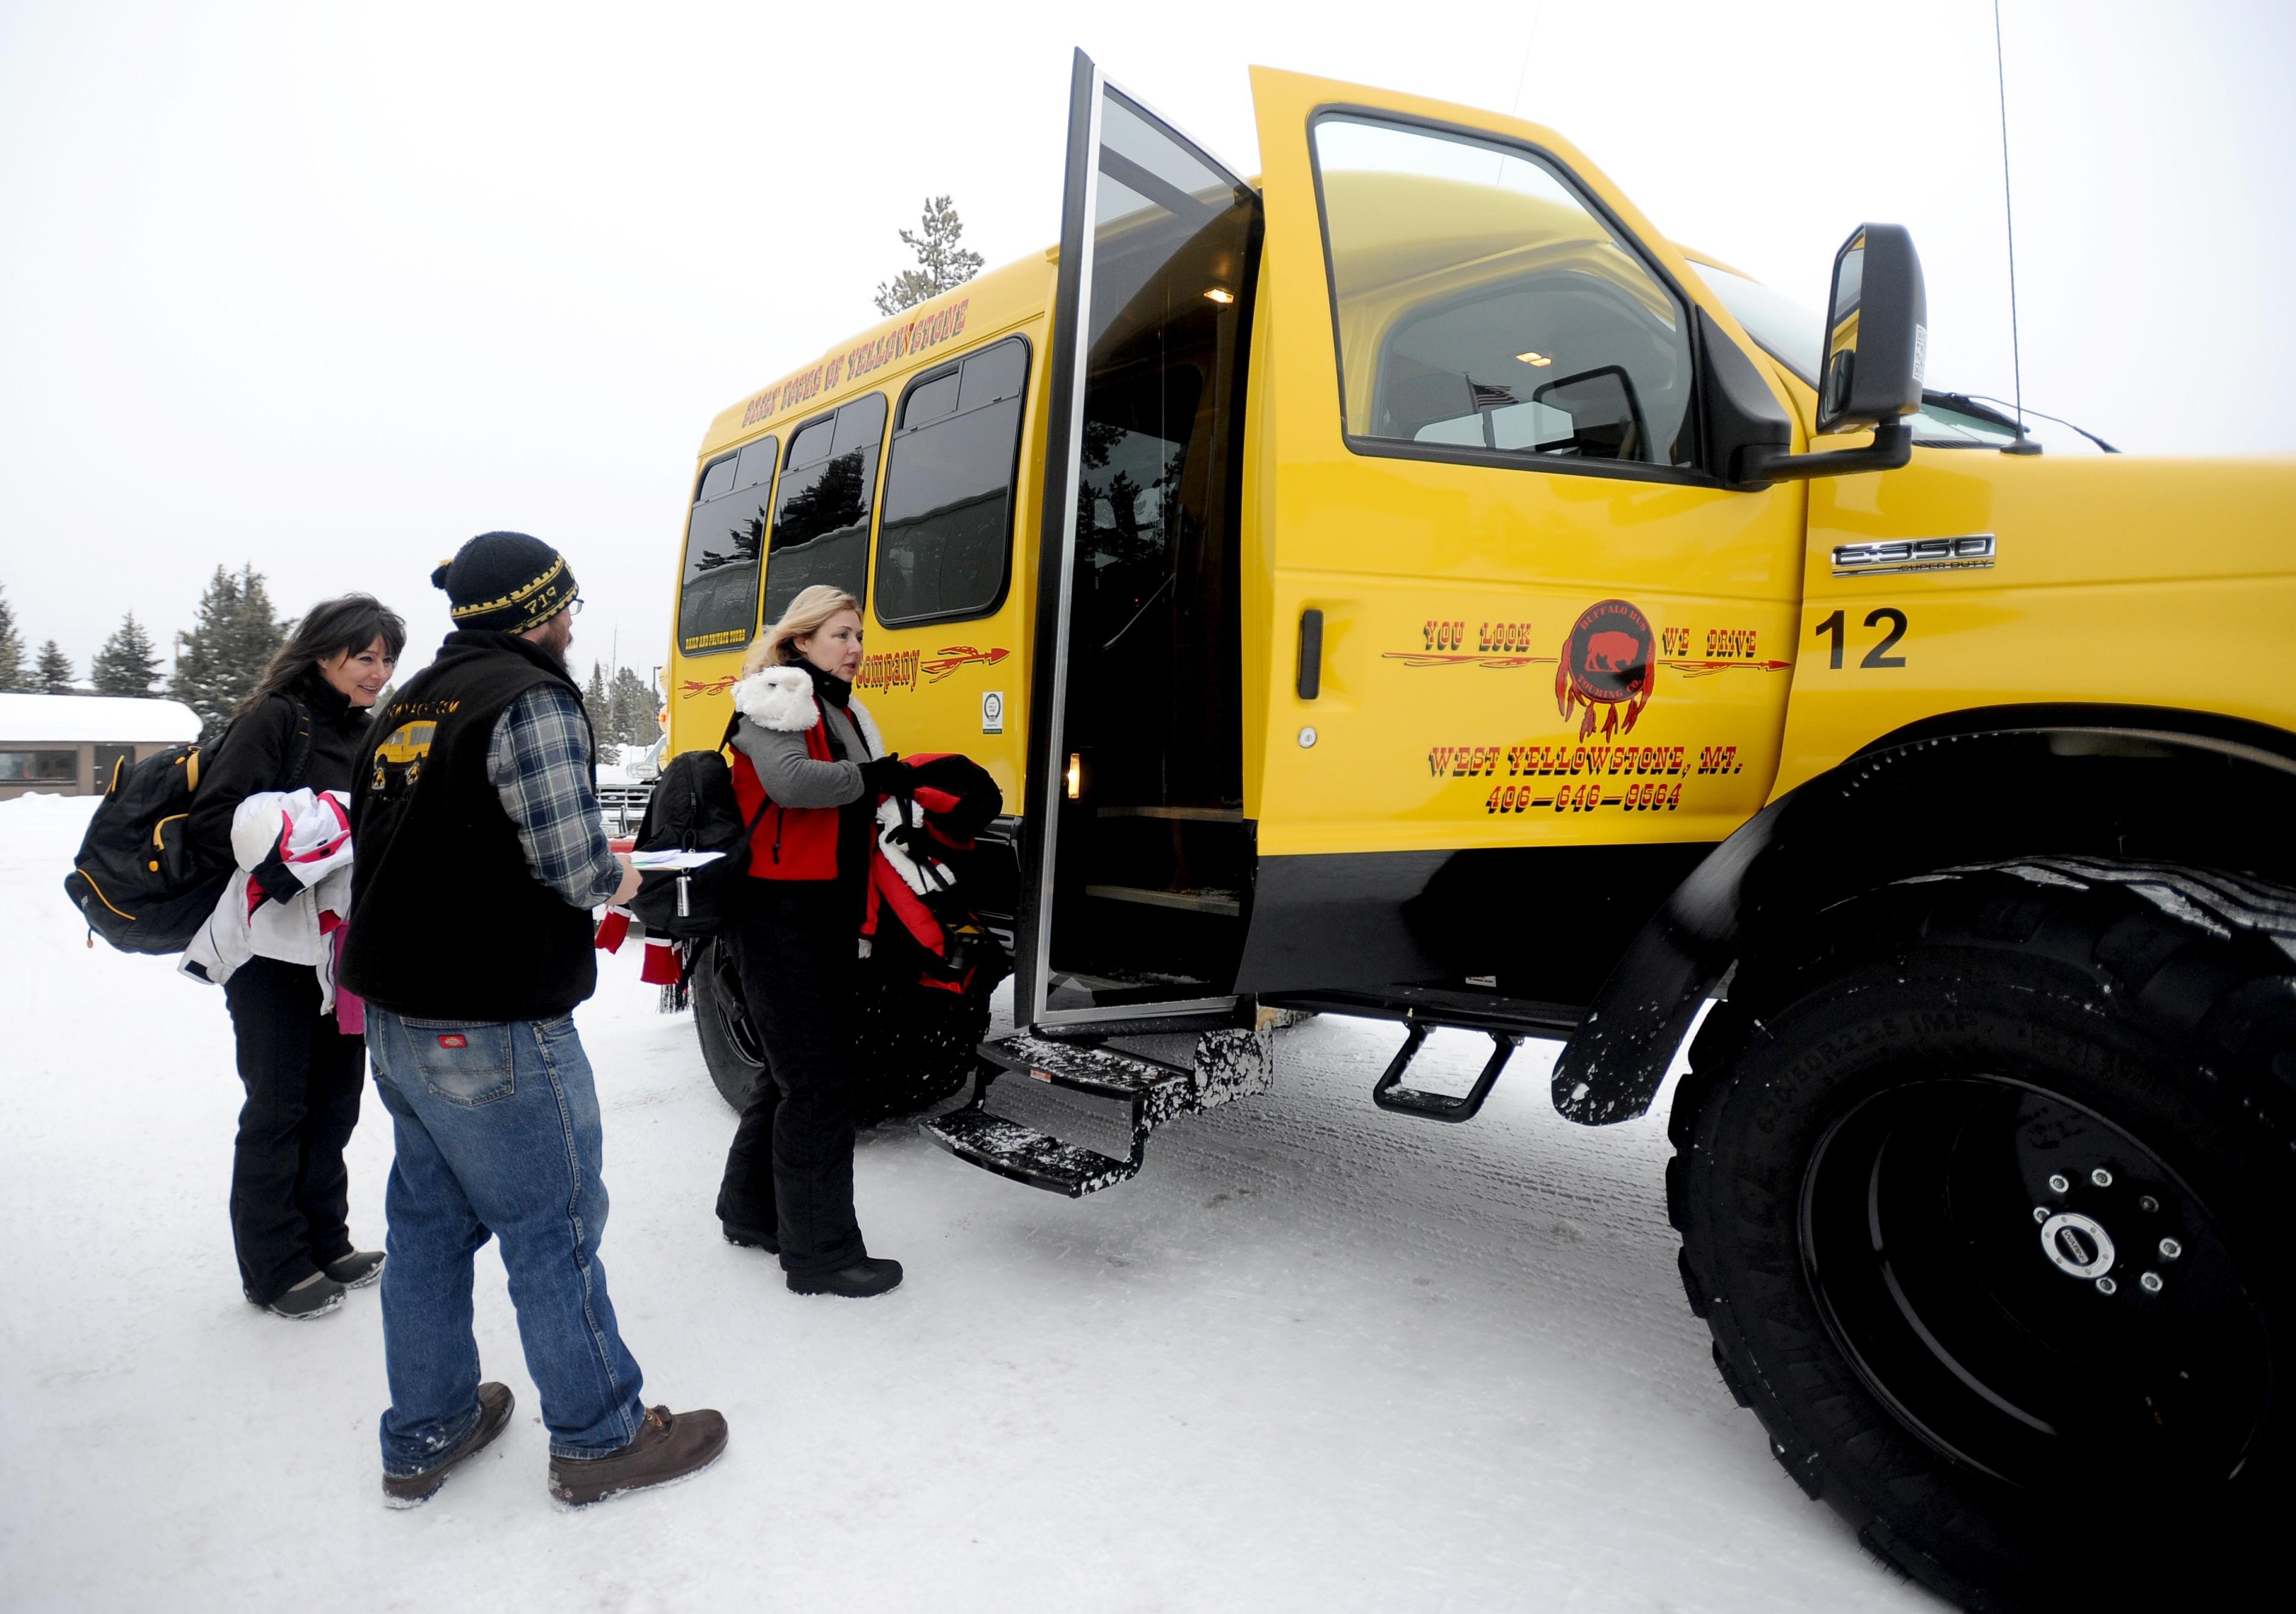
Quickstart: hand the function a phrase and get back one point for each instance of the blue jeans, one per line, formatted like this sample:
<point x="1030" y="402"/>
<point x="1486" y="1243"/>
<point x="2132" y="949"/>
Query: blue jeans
<point x="497" y="1133"/>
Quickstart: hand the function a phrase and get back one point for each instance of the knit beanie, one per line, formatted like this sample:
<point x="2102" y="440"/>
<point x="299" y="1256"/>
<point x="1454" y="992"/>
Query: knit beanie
<point x="505" y="581"/>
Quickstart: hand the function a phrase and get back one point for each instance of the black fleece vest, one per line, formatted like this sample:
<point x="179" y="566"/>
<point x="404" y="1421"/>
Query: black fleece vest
<point x="448" y="922"/>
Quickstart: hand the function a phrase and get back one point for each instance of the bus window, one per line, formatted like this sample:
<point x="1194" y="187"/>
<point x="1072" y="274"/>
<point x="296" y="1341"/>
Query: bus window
<point x="821" y="522"/>
<point x="943" y="548"/>
<point x="717" y="594"/>
<point x="1482" y="304"/>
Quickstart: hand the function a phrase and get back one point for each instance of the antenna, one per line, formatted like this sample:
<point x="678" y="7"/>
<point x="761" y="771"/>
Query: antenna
<point x="2009" y="219"/>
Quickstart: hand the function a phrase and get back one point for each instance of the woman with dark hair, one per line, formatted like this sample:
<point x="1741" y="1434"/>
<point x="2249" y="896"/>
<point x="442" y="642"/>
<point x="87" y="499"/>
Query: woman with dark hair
<point x="272" y="806"/>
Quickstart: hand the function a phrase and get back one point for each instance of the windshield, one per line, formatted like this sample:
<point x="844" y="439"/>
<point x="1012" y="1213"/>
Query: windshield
<point x="1790" y="333"/>
<point x="1787" y="332"/>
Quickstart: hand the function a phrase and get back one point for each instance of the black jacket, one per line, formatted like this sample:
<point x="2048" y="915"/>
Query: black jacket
<point x="447" y="920"/>
<point x="254" y="753"/>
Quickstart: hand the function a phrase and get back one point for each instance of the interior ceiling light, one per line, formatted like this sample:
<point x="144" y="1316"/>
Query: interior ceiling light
<point x="1219" y="294"/>
<point x="1540" y="359"/>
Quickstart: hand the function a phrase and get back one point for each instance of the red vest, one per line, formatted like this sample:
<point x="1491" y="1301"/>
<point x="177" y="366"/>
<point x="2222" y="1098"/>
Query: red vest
<point x="788" y="843"/>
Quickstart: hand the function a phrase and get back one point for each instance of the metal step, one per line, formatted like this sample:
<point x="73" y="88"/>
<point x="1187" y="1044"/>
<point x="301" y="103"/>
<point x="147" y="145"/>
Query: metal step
<point x="1389" y="1094"/>
<point x="1162" y="1089"/>
<point x="1231" y="1063"/>
<point x="1027" y="1155"/>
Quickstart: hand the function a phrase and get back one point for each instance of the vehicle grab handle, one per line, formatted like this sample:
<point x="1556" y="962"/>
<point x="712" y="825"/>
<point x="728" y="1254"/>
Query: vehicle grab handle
<point x="1311" y="654"/>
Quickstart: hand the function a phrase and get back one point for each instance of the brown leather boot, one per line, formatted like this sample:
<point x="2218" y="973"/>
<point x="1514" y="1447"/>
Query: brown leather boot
<point x="413" y="1490"/>
<point x="669" y="1447"/>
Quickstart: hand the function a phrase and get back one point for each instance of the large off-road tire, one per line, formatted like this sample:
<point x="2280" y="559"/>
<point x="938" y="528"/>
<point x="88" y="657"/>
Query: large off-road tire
<point x="729" y="1043"/>
<point x="911" y="1048"/>
<point x="1985" y="1192"/>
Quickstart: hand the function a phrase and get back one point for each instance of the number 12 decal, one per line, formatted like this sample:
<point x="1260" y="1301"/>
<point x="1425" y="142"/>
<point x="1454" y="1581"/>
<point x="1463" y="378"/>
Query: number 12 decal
<point x="1879" y="655"/>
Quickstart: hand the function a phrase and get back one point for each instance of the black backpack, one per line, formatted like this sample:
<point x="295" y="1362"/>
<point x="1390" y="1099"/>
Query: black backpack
<point x="693" y="809"/>
<point x="134" y="880"/>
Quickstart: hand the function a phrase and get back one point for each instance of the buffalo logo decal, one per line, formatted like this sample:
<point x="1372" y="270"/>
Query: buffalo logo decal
<point x="1609" y="659"/>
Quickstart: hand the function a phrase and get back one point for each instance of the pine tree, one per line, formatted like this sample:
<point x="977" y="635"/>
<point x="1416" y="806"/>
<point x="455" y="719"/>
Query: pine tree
<point x="941" y="262"/>
<point x="599" y="704"/>
<point x="128" y="662"/>
<point x="219" y="661"/>
<point x="13" y="674"/>
<point x="53" y="673"/>
<point x="634" y="708"/>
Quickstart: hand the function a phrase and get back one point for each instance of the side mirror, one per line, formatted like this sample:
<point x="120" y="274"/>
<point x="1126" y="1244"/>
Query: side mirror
<point x="1876" y="337"/>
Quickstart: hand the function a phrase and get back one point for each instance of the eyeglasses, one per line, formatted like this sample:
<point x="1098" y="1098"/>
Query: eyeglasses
<point x="574" y="606"/>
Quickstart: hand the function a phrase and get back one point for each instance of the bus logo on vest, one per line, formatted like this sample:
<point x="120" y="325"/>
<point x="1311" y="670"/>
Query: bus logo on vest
<point x="398" y="759"/>
<point x="1609" y="661"/>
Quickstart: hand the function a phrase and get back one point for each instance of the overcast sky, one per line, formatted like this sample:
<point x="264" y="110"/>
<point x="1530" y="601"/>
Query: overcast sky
<point x="329" y="288"/>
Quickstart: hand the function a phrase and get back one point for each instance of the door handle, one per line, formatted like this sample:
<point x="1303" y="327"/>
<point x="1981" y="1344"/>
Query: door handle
<point x="1311" y="654"/>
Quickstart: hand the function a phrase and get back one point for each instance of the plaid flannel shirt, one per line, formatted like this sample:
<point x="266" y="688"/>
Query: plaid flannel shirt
<point x="538" y="762"/>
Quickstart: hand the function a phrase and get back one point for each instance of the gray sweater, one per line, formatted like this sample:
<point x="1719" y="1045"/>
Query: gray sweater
<point x="794" y="779"/>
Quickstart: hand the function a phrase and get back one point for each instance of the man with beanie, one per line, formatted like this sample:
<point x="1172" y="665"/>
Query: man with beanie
<point x="481" y="855"/>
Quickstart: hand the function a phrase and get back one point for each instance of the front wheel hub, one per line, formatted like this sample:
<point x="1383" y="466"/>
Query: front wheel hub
<point x="2049" y="1361"/>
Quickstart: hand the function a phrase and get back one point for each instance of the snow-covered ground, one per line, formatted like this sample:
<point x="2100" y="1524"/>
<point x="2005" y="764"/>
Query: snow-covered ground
<point x="1314" y="1356"/>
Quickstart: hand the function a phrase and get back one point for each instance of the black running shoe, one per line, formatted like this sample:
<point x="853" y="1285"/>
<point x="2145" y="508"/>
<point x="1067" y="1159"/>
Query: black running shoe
<point x="355" y="1270"/>
<point x="413" y="1490"/>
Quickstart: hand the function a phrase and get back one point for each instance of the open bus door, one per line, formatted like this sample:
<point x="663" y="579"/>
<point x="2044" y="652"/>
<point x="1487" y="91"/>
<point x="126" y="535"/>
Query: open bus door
<point x="1136" y="861"/>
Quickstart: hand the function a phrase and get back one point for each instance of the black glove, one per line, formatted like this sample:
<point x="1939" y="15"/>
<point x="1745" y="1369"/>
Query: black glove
<point x="885" y="776"/>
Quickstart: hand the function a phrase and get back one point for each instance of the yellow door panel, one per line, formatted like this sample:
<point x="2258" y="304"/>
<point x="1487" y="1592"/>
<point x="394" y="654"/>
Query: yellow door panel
<point x="1513" y="654"/>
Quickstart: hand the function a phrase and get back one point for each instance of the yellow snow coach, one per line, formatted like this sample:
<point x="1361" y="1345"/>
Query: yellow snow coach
<point x="1410" y="585"/>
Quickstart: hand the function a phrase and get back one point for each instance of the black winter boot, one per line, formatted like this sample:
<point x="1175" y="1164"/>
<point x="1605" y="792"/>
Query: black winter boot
<point x="869" y="1275"/>
<point x="355" y="1270"/>
<point x="314" y="1297"/>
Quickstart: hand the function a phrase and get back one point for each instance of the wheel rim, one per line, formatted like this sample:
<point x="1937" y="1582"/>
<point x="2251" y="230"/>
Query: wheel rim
<point x="2032" y="1291"/>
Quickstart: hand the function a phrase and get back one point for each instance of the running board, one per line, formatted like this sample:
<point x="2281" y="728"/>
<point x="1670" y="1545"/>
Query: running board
<point x="1230" y="1063"/>
<point x="1439" y="1106"/>
<point x="1026" y="1155"/>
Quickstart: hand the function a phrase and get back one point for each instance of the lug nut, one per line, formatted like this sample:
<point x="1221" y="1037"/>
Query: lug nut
<point x="2057" y="1183"/>
<point x="2171" y="1249"/>
<point x="2151" y="1282"/>
<point x="2106" y="1286"/>
<point x="2147" y="1203"/>
<point x="2040" y="1212"/>
<point x="2101" y="1177"/>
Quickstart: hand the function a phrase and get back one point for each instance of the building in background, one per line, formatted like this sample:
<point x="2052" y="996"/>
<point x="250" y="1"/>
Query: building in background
<point x="68" y="745"/>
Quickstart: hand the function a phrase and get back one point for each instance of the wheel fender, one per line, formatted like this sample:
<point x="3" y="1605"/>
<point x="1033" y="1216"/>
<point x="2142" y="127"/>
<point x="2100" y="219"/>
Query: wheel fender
<point x="1817" y="844"/>
<point x="1614" y="1063"/>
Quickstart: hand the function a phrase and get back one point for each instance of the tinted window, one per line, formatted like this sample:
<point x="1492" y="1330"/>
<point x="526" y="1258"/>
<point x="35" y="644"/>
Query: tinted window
<point x="1481" y="303"/>
<point x="821" y="521"/>
<point x="995" y="372"/>
<point x="717" y="595"/>
<point x="929" y="400"/>
<point x="943" y="548"/>
<point x="756" y="464"/>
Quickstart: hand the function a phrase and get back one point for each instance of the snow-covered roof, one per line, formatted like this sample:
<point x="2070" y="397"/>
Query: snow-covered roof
<point x="93" y="719"/>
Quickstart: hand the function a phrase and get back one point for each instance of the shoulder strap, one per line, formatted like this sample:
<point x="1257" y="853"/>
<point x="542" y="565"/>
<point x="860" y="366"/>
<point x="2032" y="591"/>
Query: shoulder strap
<point x="732" y="726"/>
<point x="298" y="747"/>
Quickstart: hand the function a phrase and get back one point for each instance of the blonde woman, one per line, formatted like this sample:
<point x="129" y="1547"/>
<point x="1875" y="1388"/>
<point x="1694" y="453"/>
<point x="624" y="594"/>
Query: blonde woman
<point x="806" y="751"/>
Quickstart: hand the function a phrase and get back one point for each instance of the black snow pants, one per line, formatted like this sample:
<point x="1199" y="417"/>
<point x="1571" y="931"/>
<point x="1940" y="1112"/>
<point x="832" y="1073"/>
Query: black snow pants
<point x="289" y="1190"/>
<point x="789" y="1175"/>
